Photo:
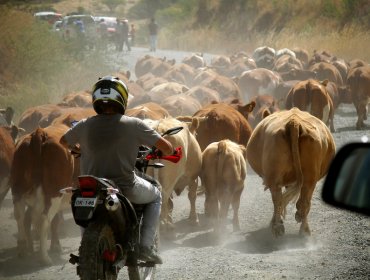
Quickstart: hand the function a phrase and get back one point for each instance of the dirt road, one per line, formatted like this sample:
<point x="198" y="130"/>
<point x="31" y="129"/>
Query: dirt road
<point x="338" y="248"/>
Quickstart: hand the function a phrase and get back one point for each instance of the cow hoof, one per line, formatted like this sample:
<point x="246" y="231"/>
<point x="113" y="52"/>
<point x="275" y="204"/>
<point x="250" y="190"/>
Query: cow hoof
<point x="55" y="249"/>
<point x="304" y="231"/>
<point x="278" y="230"/>
<point x="23" y="249"/>
<point x="46" y="261"/>
<point x="194" y="222"/>
<point x="236" y="228"/>
<point x="298" y="217"/>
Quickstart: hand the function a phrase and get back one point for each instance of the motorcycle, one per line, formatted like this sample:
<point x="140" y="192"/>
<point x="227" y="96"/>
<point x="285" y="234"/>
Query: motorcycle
<point x="111" y="223"/>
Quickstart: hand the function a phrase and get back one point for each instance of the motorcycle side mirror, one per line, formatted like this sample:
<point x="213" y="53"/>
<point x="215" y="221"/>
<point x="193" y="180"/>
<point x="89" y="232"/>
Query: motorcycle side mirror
<point x="173" y="131"/>
<point x="73" y="123"/>
<point x="347" y="184"/>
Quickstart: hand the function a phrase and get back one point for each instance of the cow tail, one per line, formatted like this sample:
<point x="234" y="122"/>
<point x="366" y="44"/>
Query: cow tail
<point x="221" y="151"/>
<point x="37" y="139"/>
<point x="291" y="193"/>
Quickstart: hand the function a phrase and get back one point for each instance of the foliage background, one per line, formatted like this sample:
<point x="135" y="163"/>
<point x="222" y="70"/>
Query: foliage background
<point x="38" y="67"/>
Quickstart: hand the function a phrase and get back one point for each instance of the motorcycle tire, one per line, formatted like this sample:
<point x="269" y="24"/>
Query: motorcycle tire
<point x="143" y="271"/>
<point x="97" y="238"/>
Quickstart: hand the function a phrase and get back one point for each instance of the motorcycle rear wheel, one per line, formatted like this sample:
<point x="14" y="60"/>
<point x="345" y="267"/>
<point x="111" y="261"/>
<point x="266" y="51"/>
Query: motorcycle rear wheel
<point x="143" y="271"/>
<point x="97" y="238"/>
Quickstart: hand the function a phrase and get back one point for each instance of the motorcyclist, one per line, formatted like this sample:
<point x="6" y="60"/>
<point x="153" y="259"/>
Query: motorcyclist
<point x="109" y="143"/>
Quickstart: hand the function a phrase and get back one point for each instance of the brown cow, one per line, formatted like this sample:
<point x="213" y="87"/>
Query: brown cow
<point x="221" y="121"/>
<point x="313" y="97"/>
<point x="44" y="115"/>
<point x="41" y="167"/>
<point x="7" y="148"/>
<point x="327" y="71"/>
<point x="224" y="170"/>
<point x="291" y="151"/>
<point x="265" y="105"/>
<point x="359" y="85"/>
<point x="41" y="115"/>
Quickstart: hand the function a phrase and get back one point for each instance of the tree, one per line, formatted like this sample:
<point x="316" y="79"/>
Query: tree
<point x="112" y="4"/>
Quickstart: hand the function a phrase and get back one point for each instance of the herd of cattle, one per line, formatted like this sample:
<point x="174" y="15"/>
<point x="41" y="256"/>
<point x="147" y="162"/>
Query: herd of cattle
<point x="273" y="110"/>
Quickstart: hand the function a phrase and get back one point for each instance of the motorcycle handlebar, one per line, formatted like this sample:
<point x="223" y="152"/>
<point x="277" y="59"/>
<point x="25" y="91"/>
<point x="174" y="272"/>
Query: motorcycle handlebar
<point x="175" y="157"/>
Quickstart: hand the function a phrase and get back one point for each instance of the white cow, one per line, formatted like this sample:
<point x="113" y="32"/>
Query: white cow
<point x="176" y="176"/>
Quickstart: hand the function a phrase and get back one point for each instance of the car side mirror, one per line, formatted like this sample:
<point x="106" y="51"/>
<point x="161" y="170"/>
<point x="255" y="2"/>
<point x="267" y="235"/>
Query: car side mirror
<point x="347" y="184"/>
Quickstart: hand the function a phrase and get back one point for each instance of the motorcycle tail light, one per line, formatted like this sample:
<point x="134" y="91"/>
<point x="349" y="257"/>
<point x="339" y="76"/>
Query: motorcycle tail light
<point x="88" y="186"/>
<point x="109" y="256"/>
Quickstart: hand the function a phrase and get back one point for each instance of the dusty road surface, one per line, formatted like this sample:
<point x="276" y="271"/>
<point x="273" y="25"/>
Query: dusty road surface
<point x="337" y="249"/>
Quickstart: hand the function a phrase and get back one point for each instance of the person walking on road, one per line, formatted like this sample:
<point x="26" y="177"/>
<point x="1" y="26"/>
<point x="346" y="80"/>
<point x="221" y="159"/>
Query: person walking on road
<point x="123" y="30"/>
<point x="153" y="33"/>
<point x="133" y="34"/>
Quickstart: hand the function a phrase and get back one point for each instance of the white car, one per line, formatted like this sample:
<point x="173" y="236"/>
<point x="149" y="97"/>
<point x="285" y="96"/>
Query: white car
<point x="48" y="16"/>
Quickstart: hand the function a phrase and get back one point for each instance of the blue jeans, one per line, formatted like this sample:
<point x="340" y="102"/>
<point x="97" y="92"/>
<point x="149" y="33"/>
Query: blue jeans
<point x="143" y="192"/>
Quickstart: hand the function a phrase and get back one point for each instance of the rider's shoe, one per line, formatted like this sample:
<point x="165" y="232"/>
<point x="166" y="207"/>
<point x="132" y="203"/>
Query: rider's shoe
<point x="149" y="255"/>
<point x="74" y="259"/>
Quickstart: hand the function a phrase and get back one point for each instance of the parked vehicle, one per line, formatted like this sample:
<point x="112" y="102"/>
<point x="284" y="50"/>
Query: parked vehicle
<point x="71" y="30"/>
<point x="57" y="26"/>
<point x="347" y="184"/>
<point x="112" y="224"/>
<point x="48" y="16"/>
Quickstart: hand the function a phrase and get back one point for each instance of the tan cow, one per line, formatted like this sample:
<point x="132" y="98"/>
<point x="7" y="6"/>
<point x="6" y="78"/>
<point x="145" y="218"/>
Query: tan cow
<point x="160" y="92"/>
<point x="257" y="81"/>
<point x="41" y="167"/>
<point x="291" y="151"/>
<point x="204" y="94"/>
<point x="359" y="85"/>
<point x="148" y="110"/>
<point x="174" y="177"/>
<point x="77" y="99"/>
<point x="313" y="97"/>
<point x="180" y="105"/>
<point x="224" y="170"/>
<point x="7" y="148"/>
<point x="155" y="65"/>
<point x="195" y="60"/>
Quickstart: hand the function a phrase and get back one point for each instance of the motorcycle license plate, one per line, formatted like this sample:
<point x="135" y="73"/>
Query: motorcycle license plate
<point x="85" y="201"/>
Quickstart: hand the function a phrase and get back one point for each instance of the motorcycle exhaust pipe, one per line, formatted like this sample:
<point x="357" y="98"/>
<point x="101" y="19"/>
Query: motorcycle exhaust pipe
<point x="116" y="212"/>
<point x="112" y="202"/>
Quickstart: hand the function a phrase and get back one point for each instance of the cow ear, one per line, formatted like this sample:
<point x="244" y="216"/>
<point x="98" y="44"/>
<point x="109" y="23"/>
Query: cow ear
<point x="194" y="125"/>
<point x="188" y="119"/>
<point x="250" y="106"/>
<point x="265" y="113"/>
<point x="324" y="82"/>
